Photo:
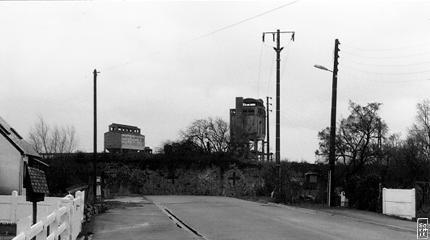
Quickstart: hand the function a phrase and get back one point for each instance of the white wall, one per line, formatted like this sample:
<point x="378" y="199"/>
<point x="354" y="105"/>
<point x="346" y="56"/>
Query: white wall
<point x="399" y="202"/>
<point x="10" y="167"/>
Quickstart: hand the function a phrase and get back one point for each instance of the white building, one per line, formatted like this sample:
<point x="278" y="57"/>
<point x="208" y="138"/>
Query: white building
<point x="15" y="155"/>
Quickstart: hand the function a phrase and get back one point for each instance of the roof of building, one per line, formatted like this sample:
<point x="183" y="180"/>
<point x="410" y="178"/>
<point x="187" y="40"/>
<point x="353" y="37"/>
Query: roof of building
<point x="16" y="140"/>
<point x="123" y="126"/>
<point x="257" y="102"/>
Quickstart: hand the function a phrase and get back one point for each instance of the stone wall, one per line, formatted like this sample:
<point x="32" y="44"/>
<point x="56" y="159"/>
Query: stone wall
<point x="208" y="181"/>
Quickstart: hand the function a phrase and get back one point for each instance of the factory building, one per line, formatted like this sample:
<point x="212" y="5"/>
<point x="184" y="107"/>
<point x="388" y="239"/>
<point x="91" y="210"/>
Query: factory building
<point x="248" y="125"/>
<point x="124" y="138"/>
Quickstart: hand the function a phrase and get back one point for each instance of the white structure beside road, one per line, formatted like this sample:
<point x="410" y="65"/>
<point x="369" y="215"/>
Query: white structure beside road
<point x="399" y="202"/>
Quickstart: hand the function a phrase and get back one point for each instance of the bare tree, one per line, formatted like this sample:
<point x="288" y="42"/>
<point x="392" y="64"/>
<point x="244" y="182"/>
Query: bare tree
<point x="209" y="134"/>
<point x="48" y="140"/>
<point x="356" y="138"/>
<point x="420" y="131"/>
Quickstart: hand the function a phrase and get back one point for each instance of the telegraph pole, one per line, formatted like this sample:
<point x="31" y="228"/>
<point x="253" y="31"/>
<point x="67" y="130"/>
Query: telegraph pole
<point x="278" y="50"/>
<point x="95" y="138"/>
<point x="332" y="154"/>
<point x="268" y="129"/>
<point x="379" y="140"/>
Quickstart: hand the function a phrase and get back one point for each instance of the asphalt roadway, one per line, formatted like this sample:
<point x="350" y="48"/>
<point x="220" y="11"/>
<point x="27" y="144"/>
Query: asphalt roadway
<point x="213" y="218"/>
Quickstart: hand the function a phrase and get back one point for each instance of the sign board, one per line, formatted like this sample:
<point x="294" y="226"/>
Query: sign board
<point x="35" y="184"/>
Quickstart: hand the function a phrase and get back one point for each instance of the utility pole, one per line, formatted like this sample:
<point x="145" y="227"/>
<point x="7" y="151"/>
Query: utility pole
<point x="332" y="156"/>
<point x="379" y="141"/>
<point x="95" y="138"/>
<point x="278" y="50"/>
<point x="267" y="128"/>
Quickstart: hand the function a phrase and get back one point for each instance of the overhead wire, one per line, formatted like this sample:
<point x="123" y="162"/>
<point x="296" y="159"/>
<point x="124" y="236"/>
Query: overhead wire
<point x="347" y="45"/>
<point x="259" y="70"/>
<point x="269" y="79"/>
<point x="384" y="57"/>
<point x="245" y="20"/>
<point x="388" y="65"/>
<point x="112" y="67"/>
<point x="385" y="73"/>
<point x="355" y="62"/>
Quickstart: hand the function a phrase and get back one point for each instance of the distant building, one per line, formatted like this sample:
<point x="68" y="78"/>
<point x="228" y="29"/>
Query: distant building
<point x="15" y="155"/>
<point x="124" y="138"/>
<point x="248" y="124"/>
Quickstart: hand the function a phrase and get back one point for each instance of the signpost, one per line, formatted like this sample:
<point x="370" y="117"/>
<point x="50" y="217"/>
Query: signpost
<point x="36" y="187"/>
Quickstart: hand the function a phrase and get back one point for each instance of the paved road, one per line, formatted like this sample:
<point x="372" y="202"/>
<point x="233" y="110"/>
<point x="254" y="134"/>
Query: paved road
<point x="228" y="219"/>
<point x="136" y="218"/>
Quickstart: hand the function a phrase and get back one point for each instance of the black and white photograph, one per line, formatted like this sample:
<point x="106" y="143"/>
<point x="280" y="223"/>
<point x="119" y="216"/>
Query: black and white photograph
<point x="214" y="119"/>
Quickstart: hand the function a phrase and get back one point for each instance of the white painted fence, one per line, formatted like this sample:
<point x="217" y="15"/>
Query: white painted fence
<point x="57" y="218"/>
<point x="14" y="207"/>
<point x="399" y="202"/>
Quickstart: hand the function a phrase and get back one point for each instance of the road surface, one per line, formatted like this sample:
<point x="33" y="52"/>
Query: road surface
<point x="135" y="218"/>
<point x="221" y="218"/>
<point x="229" y="218"/>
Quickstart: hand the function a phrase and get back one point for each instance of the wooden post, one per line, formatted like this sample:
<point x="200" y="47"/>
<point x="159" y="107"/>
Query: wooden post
<point x="34" y="212"/>
<point x="13" y="207"/>
<point x="57" y="221"/>
<point x="44" y="234"/>
<point x="23" y="225"/>
<point x="66" y="202"/>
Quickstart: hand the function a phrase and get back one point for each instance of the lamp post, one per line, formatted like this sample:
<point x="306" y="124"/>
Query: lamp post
<point x="95" y="72"/>
<point x="332" y="155"/>
<point x="332" y="137"/>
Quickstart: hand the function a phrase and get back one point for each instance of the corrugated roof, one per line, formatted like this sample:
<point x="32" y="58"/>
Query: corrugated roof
<point x="16" y="140"/>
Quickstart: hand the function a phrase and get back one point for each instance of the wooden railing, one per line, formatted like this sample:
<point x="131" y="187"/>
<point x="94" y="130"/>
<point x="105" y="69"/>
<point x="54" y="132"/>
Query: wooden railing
<point x="64" y="222"/>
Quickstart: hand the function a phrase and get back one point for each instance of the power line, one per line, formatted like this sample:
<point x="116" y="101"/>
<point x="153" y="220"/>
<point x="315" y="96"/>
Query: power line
<point x="245" y="20"/>
<point x="384" y="57"/>
<point x="213" y="32"/>
<point x="385" y="73"/>
<point x="270" y="77"/>
<point x="384" y="49"/>
<point x="388" y="65"/>
<point x="374" y="80"/>
<point x="259" y="70"/>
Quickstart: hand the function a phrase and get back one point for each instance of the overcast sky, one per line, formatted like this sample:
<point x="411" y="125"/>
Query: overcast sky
<point x="160" y="69"/>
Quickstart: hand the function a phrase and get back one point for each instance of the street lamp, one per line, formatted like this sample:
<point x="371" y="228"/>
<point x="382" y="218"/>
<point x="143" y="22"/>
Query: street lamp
<point x="322" y="68"/>
<point x="332" y="149"/>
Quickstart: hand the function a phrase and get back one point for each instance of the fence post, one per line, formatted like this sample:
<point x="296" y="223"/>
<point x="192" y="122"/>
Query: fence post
<point x="384" y="191"/>
<point x="79" y="213"/>
<point x="24" y="225"/>
<point x="57" y="222"/>
<point x="43" y="234"/>
<point x="68" y="204"/>
<point x="413" y="203"/>
<point x="13" y="207"/>
<point x="70" y="216"/>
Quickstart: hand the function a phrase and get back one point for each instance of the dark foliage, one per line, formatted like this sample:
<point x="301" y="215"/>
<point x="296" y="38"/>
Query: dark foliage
<point x="363" y="192"/>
